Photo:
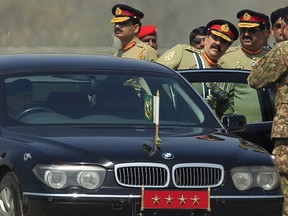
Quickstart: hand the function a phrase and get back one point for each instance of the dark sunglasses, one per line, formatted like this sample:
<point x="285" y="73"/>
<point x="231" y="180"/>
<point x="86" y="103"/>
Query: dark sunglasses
<point x="198" y="40"/>
<point x="277" y="26"/>
<point x="249" y="30"/>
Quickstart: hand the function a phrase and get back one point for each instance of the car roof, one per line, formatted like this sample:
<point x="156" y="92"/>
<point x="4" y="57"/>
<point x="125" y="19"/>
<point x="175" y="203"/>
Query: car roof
<point x="101" y="62"/>
<point x="215" y="75"/>
<point x="217" y="70"/>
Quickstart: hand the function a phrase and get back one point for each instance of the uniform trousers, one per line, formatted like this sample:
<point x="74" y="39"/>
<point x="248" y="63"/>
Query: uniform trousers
<point x="281" y="158"/>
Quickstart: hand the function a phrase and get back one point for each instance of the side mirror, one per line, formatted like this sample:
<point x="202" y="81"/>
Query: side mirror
<point x="234" y="123"/>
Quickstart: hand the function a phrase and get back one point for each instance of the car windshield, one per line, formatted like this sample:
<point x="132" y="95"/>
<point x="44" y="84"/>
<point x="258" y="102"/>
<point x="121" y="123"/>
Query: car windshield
<point x="103" y="98"/>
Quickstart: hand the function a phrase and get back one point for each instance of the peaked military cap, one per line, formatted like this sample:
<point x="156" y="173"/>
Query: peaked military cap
<point x="223" y="29"/>
<point x="124" y="12"/>
<point x="250" y="19"/>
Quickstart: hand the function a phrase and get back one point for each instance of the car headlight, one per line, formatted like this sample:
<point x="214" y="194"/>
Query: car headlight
<point x="88" y="179"/>
<point x="55" y="179"/>
<point x="242" y="180"/>
<point x="265" y="177"/>
<point x="63" y="176"/>
<point x="267" y="180"/>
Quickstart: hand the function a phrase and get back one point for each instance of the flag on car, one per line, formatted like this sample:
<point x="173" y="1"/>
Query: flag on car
<point x="151" y="108"/>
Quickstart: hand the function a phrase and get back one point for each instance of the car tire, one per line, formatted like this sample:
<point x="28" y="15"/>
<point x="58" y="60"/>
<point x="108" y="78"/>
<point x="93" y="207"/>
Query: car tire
<point x="10" y="199"/>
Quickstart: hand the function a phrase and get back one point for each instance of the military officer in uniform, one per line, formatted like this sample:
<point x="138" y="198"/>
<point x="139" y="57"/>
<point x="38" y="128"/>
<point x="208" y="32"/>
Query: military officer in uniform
<point x="253" y="28"/>
<point x="221" y="35"/>
<point x="148" y="35"/>
<point x="272" y="70"/>
<point x="126" y="27"/>
<point x="251" y="25"/>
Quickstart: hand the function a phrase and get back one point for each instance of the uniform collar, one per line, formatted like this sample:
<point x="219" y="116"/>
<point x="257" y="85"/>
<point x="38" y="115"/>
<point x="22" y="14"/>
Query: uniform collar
<point x="251" y="52"/>
<point x="210" y="62"/>
<point x="128" y="46"/>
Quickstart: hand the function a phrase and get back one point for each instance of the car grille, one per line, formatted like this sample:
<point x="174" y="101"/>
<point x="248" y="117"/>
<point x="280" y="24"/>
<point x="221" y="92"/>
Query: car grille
<point x="187" y="175"/>
<point x="198" y="175"/>
<point x="142" y="174"/>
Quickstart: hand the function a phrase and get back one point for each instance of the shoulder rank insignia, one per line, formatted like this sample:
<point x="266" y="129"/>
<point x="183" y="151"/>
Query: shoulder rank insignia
<point x="169" y="56"/>
<point x="239" y="66"/>
<point x="140" y="54"/>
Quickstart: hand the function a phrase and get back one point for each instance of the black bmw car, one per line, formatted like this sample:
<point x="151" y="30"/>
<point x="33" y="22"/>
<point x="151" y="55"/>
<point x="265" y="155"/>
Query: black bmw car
<point x="95" y="135"/>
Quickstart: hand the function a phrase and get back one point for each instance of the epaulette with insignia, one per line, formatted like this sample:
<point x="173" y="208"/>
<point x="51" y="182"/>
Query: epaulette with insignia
<point x="191" y="48"/>
<point x="232" y="49"/>
<point x="140" y="44"/>
<point x="140" y="54"/>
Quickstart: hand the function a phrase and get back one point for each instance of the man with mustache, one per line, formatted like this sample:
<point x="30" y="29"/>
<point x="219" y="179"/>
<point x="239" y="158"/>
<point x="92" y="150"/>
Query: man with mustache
<point x="253" y="28"/>
<point x="221" y="34"/>
<point x="127" y="26"/>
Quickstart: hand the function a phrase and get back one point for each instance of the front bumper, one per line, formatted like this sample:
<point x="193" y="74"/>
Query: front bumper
<point x="130" y="205"/>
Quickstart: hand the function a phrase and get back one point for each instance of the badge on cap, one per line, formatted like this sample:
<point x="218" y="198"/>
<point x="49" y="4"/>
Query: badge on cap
<point x="246" y="16"/>
<point x="225" y="28"/>
<point x="118" y="11"/>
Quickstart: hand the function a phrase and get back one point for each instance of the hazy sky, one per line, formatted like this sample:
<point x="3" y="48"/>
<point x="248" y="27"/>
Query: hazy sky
<point x="77" y="23"/>
<point x="181" y="16"/>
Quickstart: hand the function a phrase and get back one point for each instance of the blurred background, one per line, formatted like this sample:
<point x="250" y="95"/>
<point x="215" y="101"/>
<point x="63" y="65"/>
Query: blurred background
<point x="83" y="26"/>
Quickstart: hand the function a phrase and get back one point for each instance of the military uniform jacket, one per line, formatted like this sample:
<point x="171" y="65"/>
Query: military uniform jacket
<point x="273" y="70"/>
<point x="181" y="56"/>
<point x="236" y="58"/>
<point x="138" y="50"/>
<point x="184" y="56"/>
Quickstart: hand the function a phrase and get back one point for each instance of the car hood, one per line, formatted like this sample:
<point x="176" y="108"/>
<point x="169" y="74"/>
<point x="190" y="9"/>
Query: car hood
<point x="111" y="145"/>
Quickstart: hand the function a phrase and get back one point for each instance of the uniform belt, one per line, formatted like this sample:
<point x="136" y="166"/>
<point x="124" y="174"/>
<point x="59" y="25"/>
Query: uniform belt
<point x="283" y="174"/>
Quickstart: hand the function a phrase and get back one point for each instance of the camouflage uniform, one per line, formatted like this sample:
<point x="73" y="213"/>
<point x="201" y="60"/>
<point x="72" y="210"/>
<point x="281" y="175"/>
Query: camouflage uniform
<point x="138" y="50"/>
<point x="236" y="58"/>
<point x="272" y="70"/>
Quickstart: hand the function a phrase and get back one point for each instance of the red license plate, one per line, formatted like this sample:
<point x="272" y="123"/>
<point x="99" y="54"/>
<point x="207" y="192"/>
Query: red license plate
<point x="175" y="199"/>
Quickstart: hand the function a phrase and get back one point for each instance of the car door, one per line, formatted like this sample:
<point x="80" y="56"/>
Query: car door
<point x="258" y="130"/>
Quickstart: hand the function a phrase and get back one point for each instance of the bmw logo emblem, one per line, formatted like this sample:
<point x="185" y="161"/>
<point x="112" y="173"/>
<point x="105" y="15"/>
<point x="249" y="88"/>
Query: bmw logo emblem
<point x="167" y="155"/>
